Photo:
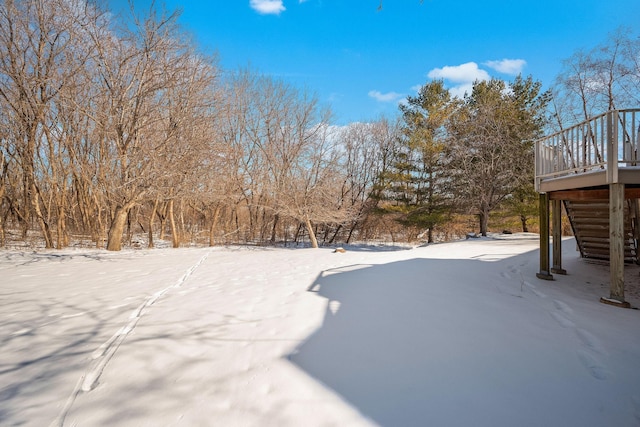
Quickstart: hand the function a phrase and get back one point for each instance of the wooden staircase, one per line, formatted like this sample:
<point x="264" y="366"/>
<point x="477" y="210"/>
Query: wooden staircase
<point x="590" y="223"/>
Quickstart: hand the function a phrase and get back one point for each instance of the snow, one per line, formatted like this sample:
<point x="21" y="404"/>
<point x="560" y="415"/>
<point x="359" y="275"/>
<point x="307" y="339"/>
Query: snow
<point x="455" y="334"/>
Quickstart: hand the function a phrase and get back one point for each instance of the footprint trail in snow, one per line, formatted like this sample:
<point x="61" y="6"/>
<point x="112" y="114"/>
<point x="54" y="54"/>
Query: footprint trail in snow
<point x="591" y="351"/>
<point x="103" y="354"/>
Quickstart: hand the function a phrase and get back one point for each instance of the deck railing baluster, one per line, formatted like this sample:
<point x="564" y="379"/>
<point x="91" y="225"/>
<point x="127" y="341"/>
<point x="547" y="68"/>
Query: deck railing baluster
<point x="636" y="130"/>
<point x="589" y="145"/>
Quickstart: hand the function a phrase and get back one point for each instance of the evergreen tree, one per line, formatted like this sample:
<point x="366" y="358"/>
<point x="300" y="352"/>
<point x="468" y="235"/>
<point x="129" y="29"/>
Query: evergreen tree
<point x="491" y="143"/>
<point x="417" y="182"/>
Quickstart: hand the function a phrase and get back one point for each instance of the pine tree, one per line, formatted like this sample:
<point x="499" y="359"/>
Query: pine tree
<point x="491" y="143"/>
<point x="417" y="182"/>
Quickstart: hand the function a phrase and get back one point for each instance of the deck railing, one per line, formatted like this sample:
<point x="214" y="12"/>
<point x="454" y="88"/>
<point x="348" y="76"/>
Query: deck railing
<point x="604" y="142"/>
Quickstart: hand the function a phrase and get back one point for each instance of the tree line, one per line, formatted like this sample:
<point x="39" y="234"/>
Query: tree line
<point x="112" y="127"/>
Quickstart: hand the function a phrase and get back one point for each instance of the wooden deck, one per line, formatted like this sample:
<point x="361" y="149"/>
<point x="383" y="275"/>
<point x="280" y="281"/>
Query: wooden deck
<point x="592" y="169"/>
<point x="600" y="151"/>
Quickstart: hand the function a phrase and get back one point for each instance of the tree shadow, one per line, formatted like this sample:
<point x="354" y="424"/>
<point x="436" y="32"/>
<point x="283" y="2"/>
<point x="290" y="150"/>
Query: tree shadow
<point x="40" y="352"/>
<point x="22" y="258"/>
<point x="433" y="342"/>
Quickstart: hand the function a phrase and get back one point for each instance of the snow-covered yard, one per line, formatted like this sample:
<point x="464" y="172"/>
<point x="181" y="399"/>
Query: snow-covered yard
<point x="455" y="334"/>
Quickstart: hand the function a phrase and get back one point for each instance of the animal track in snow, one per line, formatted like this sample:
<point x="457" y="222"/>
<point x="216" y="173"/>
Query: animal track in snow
<point x="564" y="321"/>
<point x="592" y="364"/>
<point x="534" y="290"/>
<point x="589" y="340"/>
<point x="591" y="347"/>
<point x="563" y="307"/>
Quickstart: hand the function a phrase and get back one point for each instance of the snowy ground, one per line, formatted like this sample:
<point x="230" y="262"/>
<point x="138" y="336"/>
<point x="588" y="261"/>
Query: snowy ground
<point x="456" y="334"/>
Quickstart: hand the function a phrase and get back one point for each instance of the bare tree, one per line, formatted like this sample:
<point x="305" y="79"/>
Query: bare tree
<point x="600" y="79"/>
<point x="490" y="145"/>
<point x="39" y="55"/>
<point x="310" y="192"/>
<point x="365" y="157"/>
<point x="136" y="73"/>
<point x="185" y="132"/>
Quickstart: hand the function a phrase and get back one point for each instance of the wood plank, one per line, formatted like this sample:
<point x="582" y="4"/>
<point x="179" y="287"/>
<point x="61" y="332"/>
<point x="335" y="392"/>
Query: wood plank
<point x="590" y="224"/>
<point x="556" y="213"/>
<point x="543" y="206"/>
<point x="594" y="219"/>
<point x="604" y="253"/>
<point x="616" y="247"/>
<point x="590" y="206"/>
<point x="600" y="194"/>
<point x="593" y="235"/>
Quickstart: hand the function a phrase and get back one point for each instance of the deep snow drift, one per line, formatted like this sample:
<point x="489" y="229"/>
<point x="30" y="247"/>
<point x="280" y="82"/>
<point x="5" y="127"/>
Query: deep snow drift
<point x="456" y="334"/>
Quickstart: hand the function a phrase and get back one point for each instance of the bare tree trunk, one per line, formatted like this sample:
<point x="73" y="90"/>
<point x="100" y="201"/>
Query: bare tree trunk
<point x="484" y="221"/>
<point x="335" y="234"/>
<point x="3" y="218"/>
<point x="62" y="239"/>
<point x="99" y="229"/>
<point x="182" y="231"/>
<point x="151" y="216"/>
<point x="525" y="227"/>
<point x="162" y="216"/>
<point x="274" y="228"/>
<point x="312" y="234"/>
<point x="172" y="222"/>
<point x="297" y="236"/>
<point x="116" y="230"/>
<point x="44" y="226"/>
<point x="3" y="238"/>
<point x="214" y="223"/>
<point x="351" y="231"/>
<point x="129" y="234"/>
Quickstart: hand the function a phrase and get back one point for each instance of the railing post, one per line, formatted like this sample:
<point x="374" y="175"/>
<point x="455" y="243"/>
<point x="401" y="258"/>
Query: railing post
<point x="538" y="161"/>
<point x="612" y="147"/>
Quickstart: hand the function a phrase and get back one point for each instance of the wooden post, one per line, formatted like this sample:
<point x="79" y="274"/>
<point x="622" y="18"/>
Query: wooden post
<point x="556" y="213"/>
<point x="616" y="242"/>
<point x="544" y="238"/>
<point x="612" y="147"/>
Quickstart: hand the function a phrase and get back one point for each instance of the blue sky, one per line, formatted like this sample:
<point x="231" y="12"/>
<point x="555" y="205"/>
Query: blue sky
<point x="362" y="61"/>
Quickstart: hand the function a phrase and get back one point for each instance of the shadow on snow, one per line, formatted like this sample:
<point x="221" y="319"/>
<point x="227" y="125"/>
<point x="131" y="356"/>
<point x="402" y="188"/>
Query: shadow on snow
<point x="440" y="342"/>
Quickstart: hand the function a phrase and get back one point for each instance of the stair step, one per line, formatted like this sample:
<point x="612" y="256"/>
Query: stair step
<point x="605" y="249"/>
<point x="604" y="233"/>
<point x="591" y="220"/>
<point x="598" y="214"/>
<point x="594" y="227"/>
<point x="588" y="210"/>
<point x="598" y="224"/>
<point x="590" y="223"/>
<point x="628" y="239"/>
<point x="605" y="253"/>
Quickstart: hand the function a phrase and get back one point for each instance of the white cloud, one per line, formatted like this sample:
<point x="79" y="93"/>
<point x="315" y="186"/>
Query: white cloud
<point x="464" y="73"/>
<point x="463" y="76"/>
<point x="511" y="67"/>
<point x="385" y="97"/>
<point x="267" y="7"/>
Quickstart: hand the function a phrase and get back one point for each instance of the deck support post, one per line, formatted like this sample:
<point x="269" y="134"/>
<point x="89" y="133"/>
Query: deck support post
<point x="616" y="242"/>
<point x="556" y="214"/>
<point x="544" y="238"/>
